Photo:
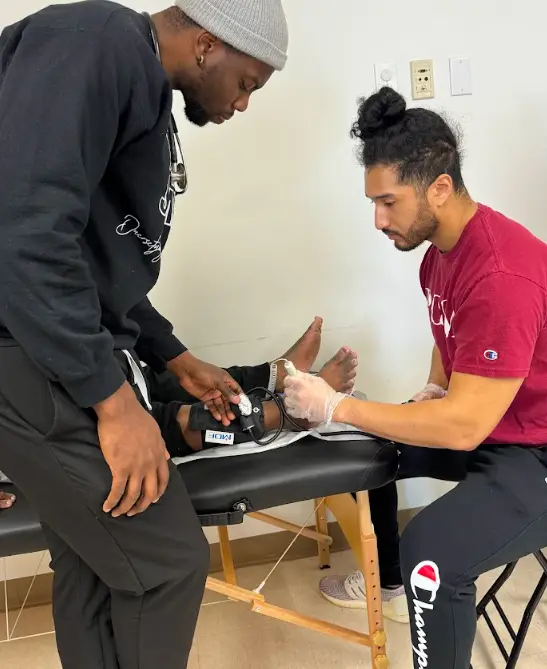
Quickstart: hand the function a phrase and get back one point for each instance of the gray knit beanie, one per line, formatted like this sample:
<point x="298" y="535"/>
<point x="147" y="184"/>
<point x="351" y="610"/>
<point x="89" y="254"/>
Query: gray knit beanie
<point x="255" y="27"/>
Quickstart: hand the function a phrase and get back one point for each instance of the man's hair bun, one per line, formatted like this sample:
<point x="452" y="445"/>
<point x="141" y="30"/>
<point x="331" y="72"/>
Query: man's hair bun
<point x="378" y="112"/>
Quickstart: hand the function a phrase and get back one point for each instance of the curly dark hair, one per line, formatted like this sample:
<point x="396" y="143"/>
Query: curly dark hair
<point x="418" y="142"/>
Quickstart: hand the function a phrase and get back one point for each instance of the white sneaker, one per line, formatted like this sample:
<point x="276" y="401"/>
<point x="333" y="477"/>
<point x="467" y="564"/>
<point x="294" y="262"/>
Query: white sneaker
<point x="349" y="592"/>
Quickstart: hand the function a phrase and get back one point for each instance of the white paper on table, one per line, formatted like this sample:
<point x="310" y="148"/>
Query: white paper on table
<point x="334" y="432"/>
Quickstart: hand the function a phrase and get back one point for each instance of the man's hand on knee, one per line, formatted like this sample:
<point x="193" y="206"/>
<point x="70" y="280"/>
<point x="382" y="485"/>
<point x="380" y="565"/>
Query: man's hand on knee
<point x="135" y="451"/>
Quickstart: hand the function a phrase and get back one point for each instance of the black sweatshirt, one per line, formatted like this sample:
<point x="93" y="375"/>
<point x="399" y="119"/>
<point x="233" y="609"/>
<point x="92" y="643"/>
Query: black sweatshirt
<point x="85" y="198"/>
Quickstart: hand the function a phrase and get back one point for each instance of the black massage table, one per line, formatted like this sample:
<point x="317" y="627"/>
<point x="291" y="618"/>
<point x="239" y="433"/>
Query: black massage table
<point x="224" y="490"/>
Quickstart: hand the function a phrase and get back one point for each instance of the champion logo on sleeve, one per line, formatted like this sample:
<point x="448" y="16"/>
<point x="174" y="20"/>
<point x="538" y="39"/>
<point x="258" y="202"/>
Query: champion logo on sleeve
<point x="491" y="355"/>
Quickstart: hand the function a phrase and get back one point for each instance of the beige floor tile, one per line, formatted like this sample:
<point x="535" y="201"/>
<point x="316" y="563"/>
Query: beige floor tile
<point x="528" y="662"/>
<point x="226" y="616"/>
<point x="289" y="654"/>
<point x="531" y="662"/>
<point x="193" y="661"/>
<point x="281" y="646"/>
<point x="230" y="636"/>
<point x="30" y="653"/>
<point x="303" y="578"/>
<point x="32" y="621"/>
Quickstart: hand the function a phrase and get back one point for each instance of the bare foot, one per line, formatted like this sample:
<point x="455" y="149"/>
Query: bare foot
<point x="303" y="353"/>
<point x="6" y="500"/>
<point x="340" y="371"/>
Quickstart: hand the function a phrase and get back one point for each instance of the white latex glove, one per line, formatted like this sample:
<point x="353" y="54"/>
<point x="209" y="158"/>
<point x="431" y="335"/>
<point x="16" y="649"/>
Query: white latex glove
<point x="311" y="398"/>
<point x="431" y="392"/>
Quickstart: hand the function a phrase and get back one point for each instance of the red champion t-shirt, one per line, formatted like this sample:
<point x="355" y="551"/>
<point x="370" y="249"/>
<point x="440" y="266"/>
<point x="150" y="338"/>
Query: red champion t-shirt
<point x="487" y="302"/>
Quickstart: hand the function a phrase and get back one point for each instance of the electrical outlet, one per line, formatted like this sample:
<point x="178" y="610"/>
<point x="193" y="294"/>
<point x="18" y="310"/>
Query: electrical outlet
<point x="423" y="85"/>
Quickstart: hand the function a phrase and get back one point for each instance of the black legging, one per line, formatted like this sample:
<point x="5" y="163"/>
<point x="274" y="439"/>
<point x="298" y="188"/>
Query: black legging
<point x="496" y="515"/>
<point x="414" y="462"/>
<point x="127" y="591"/>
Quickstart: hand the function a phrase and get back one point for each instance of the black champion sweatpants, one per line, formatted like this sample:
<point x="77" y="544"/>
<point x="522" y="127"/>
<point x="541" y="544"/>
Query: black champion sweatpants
<point x="495" y="515"/>
<point x="414" y="462"/>
<point x="127" y="591"/>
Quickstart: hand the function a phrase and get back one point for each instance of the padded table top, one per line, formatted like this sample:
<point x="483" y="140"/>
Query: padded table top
<point x="305" y="470"/>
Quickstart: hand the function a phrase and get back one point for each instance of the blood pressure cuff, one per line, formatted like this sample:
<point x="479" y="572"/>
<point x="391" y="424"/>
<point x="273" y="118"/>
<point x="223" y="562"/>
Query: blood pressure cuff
<point x="243" y="429"/>
<point x="213" y="433"/>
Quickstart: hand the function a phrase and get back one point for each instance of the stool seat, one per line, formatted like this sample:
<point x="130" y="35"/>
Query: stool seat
<point x="222" y="490"/>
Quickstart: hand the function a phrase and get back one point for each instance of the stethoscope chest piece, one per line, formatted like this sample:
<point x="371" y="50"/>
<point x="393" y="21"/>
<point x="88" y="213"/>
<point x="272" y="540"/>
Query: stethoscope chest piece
<point x="179" y="179"/>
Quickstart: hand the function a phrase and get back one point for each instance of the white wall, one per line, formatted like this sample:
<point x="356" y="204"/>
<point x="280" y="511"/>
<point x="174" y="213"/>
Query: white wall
<point x="275" y="227"/>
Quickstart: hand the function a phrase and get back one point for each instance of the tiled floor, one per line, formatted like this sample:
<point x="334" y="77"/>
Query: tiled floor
<point x="229" y="636"/>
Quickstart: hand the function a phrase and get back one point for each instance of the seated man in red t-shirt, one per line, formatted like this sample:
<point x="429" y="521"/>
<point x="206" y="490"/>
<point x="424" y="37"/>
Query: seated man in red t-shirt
<point x="485" y="282"/>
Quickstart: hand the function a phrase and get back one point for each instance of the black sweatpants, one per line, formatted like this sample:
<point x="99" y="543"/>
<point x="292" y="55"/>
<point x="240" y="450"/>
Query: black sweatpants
<point x="413" y="463"/>
<point x="127" y="591"/>
<point x="496" y="514"/>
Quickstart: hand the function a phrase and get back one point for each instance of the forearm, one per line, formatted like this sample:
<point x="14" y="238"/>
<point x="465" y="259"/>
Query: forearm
<point x="157" y="345"/>
<point x="436" y="373"/>
<point x="177" y="366"/>
<point x="433" y="424"/>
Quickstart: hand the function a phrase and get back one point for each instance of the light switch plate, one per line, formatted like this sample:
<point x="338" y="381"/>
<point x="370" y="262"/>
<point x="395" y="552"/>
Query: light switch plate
<point x="460" y="76"/>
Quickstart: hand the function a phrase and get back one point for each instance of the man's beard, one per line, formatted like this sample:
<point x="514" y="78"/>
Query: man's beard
<point x="195" y="113"/>
<point x="419" y="232"/>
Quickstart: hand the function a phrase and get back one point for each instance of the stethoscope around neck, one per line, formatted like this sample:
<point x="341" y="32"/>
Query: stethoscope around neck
<point x="177" y="170"/>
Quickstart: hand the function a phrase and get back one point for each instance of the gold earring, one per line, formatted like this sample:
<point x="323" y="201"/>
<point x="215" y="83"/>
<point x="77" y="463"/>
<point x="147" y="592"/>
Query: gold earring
<point x="200" y="60"/>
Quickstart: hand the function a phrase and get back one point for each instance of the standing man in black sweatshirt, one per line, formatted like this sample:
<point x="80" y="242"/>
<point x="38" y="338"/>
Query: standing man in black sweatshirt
<point x="86" y="200"/>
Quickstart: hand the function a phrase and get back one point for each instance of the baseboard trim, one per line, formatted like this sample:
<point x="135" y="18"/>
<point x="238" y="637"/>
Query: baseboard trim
<point x="246" y="551"/>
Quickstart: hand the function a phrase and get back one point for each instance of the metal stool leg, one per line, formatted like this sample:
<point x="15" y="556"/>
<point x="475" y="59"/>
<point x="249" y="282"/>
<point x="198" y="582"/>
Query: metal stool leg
<point x="529" y="612"/>
<point x="491" y="597"/>
<point x="495" y="588"/>
<point x="526" y="621"/>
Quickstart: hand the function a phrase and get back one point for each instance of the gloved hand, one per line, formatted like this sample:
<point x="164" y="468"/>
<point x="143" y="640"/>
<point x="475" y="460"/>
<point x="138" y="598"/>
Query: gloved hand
<point x="431" y="392"/>
<point x="311" y="398"/>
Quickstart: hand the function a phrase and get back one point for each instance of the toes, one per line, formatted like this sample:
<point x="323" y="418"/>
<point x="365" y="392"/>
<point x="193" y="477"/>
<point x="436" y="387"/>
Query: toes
<point x="352" y="355"/>
<point x="348" y="384"/>
<point x="341" y="355"/>
<point x="350" y="360"/>
<point x="315" y="327"/>
<point x="317" y="324"/>
<point x="349" y="380"/>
